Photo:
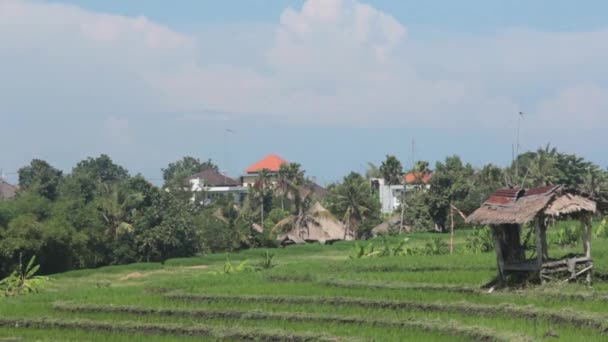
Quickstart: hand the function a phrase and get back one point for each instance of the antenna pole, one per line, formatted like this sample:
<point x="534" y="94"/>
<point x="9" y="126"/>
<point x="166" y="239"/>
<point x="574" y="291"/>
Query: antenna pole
<point x="519" y="117"/>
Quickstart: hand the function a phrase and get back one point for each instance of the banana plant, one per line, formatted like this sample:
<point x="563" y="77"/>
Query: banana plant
<point x="23" y="280"/>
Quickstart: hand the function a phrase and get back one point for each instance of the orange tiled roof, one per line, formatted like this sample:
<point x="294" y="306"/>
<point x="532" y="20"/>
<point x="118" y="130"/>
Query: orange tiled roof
<point x="411" y="177"/>
<point x="271" y="162"/>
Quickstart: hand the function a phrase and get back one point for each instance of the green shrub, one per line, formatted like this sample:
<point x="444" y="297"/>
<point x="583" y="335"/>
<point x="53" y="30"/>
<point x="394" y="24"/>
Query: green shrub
<point x="480" y="241"/>
<point x="567" y="236"/>
<point x="267" y="261"/>
<point x="602" y="229"/>
<point x="436" y="247"/>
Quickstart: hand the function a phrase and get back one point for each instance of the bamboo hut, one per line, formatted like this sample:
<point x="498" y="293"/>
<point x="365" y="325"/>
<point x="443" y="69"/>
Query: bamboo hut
<point x="508" y="210"/>
<point x="324" y="228"/>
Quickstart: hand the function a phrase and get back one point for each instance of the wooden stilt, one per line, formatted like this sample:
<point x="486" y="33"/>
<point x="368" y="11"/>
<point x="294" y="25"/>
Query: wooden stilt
<point x="543" y="236"/>
<point x="498" y="245"/>
<point x="587" y="223"/>
<point x="539" y="249"/>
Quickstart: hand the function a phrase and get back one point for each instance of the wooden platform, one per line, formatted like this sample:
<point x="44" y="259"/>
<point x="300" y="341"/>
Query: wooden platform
<point x="565" y="269"/>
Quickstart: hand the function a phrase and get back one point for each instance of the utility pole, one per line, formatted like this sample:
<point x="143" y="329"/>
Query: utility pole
<point x="519" y="118"/>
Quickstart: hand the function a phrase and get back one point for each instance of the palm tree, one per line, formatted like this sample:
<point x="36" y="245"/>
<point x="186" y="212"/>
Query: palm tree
<point x="302" y="217"/>
<point x="116" y="208"/>
<point x="352" y="200"/>
<point x="391" y="170"/>
<point x="372" y="171"/>
<point x="290" y="178"/>
<point x="542" y="169"/>
<point x="262" y="187"/>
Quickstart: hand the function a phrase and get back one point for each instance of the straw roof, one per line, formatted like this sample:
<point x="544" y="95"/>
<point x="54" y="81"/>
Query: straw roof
<point x="515" y="206"/>
<point x="326" y="228"/>
<point x="569" y="204"/>
<point x="383" y="228"/>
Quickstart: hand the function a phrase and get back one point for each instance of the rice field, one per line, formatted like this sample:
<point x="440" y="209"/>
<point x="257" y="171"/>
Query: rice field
<point x="314" y="293"/>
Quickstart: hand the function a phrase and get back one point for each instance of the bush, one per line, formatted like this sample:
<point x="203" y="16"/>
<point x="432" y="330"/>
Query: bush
<point x="436" y="247"/>
<point x="602" y="229"/>
<point x="567" y="236"/>
<point x="480" y="241"/>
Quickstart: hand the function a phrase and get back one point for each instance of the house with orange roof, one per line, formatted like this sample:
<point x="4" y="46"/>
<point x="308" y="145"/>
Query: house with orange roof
<point x="390" y="195"/>
<point x="272" y="163"/>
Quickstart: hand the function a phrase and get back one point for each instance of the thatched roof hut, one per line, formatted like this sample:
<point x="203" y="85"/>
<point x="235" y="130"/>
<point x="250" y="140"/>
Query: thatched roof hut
<point x="519" y="206"/>
<point x="507" y="210"/>
<point x="325" y="228"/>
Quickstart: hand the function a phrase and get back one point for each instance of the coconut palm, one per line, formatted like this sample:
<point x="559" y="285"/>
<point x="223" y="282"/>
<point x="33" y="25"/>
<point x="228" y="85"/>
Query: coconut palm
<point x="353" y="201"/>
<point x="301" y="217"/>
<point x="391" y="170"/>
<point x="262" y="188"/>
<point x="290" y="178"/>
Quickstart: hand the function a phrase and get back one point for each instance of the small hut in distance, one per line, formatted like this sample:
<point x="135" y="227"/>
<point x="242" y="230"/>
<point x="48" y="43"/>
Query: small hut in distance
<point x="508" y="210"/>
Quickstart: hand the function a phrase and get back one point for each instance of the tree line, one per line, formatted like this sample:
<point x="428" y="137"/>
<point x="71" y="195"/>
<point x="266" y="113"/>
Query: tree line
<point x="98" y="214"/>
<point x="459" y="184"/>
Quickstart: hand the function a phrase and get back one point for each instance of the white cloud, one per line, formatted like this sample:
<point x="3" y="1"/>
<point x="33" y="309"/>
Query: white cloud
<point x="328" y="62"/>
<point x="584" y="105"/>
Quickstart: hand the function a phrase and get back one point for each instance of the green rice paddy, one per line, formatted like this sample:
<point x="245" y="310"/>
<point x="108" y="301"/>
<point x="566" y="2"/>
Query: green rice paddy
<point x="314" y="293"/>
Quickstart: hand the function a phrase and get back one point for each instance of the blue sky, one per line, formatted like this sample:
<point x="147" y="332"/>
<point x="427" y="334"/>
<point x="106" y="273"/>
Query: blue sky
<point x="330" y="84"/>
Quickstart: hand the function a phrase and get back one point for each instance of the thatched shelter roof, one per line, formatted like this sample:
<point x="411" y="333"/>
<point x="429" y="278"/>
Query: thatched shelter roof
<point x="325" y="228"/>
<point x="383" y="228"/>
<point x="519" y="206"/>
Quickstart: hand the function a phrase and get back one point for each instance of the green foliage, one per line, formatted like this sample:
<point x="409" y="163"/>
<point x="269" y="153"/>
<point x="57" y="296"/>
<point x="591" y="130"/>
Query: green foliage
<point x="101" y="169"/>
<point x="416" y="211"/>
<point x="391" y="170"/>
<point x="361" y="251"/>
<point x="436" y="246"/>
<point x="480" y="241"/>
<point x="567" y="235"/>
<point x="230" y="268"/>
<point x="267" y="261"/>
<point x="354" y="202"/>
<point x="23" y="280"/>
<point x="175" y="174"/>
<point x="40" y="178"/>
<point x="601" y="230"/>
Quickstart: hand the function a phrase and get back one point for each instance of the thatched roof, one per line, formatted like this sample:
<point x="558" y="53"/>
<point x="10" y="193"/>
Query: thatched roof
<point x="518" y="206"/>
<point x="7" y="191"/>
<point x="326" y="228"/>
<point x="383" y="228"/>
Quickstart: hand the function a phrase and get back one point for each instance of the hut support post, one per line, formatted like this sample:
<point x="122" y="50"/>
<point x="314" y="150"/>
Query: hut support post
<point x="543" y="237"/>
<point x="587" y="231"/>
<point x="498" y="246"/>
<point x="539" y="243"/>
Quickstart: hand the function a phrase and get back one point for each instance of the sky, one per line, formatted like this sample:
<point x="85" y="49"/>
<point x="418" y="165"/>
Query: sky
<point x="330" y="84"/>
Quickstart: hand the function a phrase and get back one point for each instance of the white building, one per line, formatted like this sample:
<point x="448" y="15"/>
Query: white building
<point x="390" y="195"/>
<point x="215" y="184"/>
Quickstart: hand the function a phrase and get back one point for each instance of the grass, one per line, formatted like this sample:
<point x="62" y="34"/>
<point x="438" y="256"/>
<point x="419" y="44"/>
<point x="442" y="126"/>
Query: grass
<point x="314" y="293"/>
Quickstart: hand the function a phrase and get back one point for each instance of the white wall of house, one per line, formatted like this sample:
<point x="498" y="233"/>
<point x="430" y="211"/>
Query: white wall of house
<point x="250" y="178"/>
<point x="390" y="195"/>
<point x="197" y="185"/>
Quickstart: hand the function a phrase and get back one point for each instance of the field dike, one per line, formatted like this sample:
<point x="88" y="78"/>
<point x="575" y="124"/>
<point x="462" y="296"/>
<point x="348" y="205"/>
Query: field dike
<point x="571" y="317"/>
<point x="431" y="287"/>
<point x="401" y="268"/>
<point x="449" y="328"/>
<point x="370" y="285"/>
<point x="164" y="329"/>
